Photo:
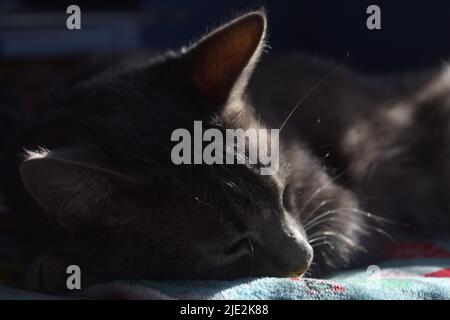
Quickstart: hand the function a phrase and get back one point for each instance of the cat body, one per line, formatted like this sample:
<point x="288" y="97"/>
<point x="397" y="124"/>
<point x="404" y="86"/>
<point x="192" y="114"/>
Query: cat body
<point x="359" y="158"/>
<point x="385" y="136"/>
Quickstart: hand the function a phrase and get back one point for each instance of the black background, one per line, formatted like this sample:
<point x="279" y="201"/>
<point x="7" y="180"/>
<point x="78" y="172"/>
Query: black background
<point x="414" y="34"/>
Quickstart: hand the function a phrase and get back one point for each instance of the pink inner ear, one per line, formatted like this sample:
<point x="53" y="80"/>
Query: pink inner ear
<point x="221" y="57"/>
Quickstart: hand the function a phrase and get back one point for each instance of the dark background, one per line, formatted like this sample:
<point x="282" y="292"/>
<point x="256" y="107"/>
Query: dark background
<point x="37" y="49"/>
<point x="414" y="33"/>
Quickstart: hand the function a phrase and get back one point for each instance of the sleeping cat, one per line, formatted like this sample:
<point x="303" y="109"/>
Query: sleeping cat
<point x="361" y="160"/>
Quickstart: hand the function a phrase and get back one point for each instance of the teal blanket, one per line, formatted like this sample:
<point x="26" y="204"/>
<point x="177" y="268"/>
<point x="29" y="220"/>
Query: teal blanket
<point x="411" y="270"/>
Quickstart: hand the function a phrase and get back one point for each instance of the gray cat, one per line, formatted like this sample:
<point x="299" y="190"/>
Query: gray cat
<point x="361" y="160"/>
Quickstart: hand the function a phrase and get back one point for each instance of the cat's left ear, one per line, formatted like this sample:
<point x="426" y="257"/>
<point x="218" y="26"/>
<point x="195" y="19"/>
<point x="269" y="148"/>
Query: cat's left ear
<point x="72" y="186"/>
<point x="221" y="63"/>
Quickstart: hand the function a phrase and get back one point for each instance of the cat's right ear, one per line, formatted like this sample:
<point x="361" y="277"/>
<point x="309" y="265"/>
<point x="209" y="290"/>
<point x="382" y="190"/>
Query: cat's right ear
<point x="70" y="185"/>
<point x="221" y="62"/>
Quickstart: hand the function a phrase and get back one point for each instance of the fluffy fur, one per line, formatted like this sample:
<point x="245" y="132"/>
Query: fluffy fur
<point x="119" y="208"/>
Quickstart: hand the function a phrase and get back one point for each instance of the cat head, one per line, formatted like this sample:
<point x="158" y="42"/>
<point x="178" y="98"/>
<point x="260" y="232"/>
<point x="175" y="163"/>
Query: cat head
<point x="100" y="166"/>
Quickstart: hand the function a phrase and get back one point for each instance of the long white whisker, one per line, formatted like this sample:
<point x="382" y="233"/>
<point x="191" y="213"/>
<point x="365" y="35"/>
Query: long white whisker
<point x="321" y="205"/>
<point x="330" y="244"/>
<point x="320" y="221"/>
<point x="344" y="238"/>
<point x="319" y="217"/>
<point x="253" y="256"/>
<point x="318" y="238"/>
<point x="310" y="91"/>
<point x="319" y="190"/>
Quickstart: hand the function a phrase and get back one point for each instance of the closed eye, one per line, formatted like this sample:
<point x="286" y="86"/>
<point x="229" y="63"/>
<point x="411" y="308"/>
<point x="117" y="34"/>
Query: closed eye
<point x="238" y="247"/>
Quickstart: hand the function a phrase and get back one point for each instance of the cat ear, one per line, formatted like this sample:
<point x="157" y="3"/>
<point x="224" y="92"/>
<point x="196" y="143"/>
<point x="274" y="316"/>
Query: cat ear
<point x="69" y="184"/>
<point x="221" y="62"/>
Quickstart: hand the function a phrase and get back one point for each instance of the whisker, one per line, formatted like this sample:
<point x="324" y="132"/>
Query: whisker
<point x="319" y="190"/>
<point x="252" y="249"/>
<point x="364" y="228"/>
<point x="320" y="221"/>
<point x="314" y="222"/>
<point x="204" y="203"/>
<point x="310" y="91"/>
<point x="322" y="215"/>
<point x="321" y="205"/>
<point x="328" y="243"/>
<point x="346" y="239"/>
<point x="314" y="240"/>
<point x="371" y="215"/>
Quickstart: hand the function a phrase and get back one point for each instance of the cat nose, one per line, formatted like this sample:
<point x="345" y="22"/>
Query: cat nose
<point x="290" y="249"/>
<point x="282" y="254"/>
<point x="294" y="256"/>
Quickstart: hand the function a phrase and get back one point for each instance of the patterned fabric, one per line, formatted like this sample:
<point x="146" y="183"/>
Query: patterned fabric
<point x="412" y="270"/>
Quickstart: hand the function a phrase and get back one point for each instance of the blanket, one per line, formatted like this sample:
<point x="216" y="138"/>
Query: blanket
<point x="413" y="269"/>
